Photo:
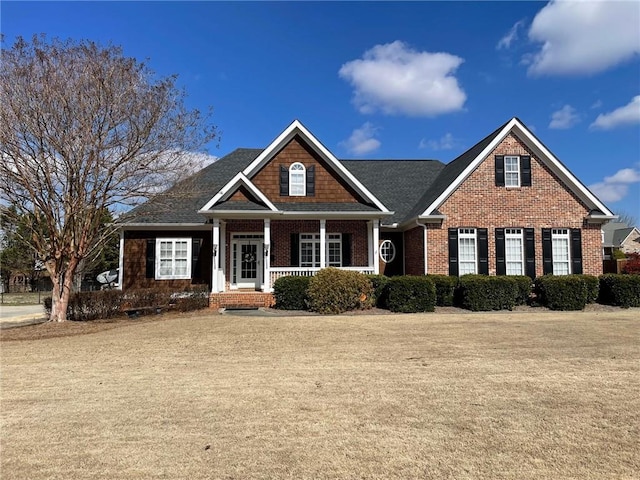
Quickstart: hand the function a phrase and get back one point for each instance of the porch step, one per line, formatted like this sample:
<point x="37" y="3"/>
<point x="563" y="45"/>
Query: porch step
<point x="249" y="299"/>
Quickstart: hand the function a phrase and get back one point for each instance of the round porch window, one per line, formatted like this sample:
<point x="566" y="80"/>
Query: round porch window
<point x="387" y="251"/>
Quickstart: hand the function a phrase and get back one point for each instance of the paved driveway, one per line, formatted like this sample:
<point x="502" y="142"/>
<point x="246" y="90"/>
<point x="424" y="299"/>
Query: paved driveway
<point x="19" y="315"/>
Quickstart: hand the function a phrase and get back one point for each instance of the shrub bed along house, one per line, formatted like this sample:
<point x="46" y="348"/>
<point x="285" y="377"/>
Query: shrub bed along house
<point x="291" y="292"/>
<point x="484" y="293"/>
<point x="333" y="290"/>
<point x="445" y="289"/>
<point x="105" y="304"/>
<point x="380" y="285"/>
<point x="411" y="294"/>
<point x="563" y="292"/>
<point x="620" y="290"/>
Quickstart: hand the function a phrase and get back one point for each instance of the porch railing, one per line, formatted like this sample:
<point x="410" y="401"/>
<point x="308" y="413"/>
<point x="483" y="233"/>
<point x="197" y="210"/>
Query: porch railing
<point x="277" y="272"/>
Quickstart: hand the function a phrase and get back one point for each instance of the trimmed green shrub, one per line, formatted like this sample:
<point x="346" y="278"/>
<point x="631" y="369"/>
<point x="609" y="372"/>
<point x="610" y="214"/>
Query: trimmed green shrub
<point x="484" y="293"/>
<point x="592" y="284"/>
<point x="291" y="292"/>
<point x="411" y="294"/>
<point x="380" y="283"/>
<point x="445" y="289"/>
<point x="525" y="287"/>
<point x="622" y="290"/>
<point x="562" y="292"/>
<point x="333" y="290"/>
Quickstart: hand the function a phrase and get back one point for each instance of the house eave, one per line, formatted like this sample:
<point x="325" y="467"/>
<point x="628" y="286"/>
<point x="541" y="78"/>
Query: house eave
<point x="304" y="215"/>
<point x="595" y="218"/>
<point x="164" y="226"/>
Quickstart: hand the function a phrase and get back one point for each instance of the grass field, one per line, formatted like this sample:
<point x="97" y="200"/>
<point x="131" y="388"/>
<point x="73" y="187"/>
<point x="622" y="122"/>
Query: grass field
<point x="26" y="298"/>
<point x="436" y="396"/>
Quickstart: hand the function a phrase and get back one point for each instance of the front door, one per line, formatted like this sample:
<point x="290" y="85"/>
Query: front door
<point x="249" y="263"/>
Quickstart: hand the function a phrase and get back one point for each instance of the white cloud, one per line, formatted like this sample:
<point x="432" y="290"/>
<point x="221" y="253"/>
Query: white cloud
<point x="584" y="36"/>
<point x="616" y="186"/>
<point x="564" y="118"/>
<point x="512" y="35"/>
<point x="627" y="115"/>
<point x="596" y="104"/>
<point x="396" y="79"/>
<point x="361" y="140"/>
<point x="447" y="142"/>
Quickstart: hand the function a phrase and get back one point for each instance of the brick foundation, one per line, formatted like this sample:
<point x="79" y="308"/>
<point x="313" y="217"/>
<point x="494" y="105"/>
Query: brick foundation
<point x="241" y="300"/>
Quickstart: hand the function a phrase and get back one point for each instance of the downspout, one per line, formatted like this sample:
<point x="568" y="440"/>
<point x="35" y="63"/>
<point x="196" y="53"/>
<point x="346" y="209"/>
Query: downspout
<point x="424" y="253"/>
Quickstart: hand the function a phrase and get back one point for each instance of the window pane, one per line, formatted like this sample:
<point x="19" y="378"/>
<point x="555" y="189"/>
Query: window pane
<point x="512" y="171"/>
<point x="560" y="249"/>
<point x="467" y="255"/>
<point x="334" y="254"/>
<point x="513" y="253"/>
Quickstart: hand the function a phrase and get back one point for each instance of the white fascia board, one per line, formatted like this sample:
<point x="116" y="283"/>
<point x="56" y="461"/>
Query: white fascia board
<point x="336" y="214"/>
<point x="231" y="186"/>
<point x="165" y="226"/>
<point x="543" y="153"/>
<point x="296" y="128"/>
<point x="559" y="169"/>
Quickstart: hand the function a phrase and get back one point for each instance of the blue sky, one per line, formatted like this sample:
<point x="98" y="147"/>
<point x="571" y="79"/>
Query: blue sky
<point x="390" y="80"/>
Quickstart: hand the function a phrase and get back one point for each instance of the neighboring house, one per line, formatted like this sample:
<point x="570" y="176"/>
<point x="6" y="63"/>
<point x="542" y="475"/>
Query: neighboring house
<point x="620" y="236"/>
<point x="505" y="206"/>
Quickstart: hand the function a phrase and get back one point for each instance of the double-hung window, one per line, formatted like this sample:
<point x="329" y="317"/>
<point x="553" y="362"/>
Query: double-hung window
<point x="297" y="180"/>
<point x="173" y="258"/>
<point x="514" y="252"/>
<point x="561" y="256"/>
<point x="467" y="251"/>
<point x="310" y="250"/>
<point x="511" y="171"/>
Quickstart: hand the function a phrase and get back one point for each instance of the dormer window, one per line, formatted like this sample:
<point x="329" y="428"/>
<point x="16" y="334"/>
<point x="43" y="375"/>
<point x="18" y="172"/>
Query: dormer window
<point x="297" y="180"/>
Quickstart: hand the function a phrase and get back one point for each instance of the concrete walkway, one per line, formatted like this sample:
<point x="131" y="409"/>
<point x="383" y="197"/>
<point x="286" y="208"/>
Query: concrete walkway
<point x="20" y="315"/>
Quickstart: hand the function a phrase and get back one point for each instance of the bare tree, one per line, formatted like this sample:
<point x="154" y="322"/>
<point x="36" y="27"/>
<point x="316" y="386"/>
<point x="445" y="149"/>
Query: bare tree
<point x="84" y="130"/>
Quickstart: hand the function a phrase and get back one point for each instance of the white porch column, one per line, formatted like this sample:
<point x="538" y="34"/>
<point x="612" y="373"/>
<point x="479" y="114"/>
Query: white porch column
<point x="222" y="256"/>
<point x="376" y="245"/>
<point x="370" y="243"/>
<point x="267" y="257"/>
<point x="215" y="256"/>
<point x="323" y="243"/>
<point x="121" y="261"/>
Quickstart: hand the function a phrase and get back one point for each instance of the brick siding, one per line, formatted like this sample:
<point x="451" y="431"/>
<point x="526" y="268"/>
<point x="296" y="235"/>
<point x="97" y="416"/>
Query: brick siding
<point x="329" y="186"/>
<point x="548" y="203"/>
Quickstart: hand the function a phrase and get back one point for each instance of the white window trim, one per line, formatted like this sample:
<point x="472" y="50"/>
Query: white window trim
<point x="329" y="238"/>
<point x="173" y="241"/>
<point x="513" y="233"/>
<point x="560" y="233"/>
<point x="387" y="246"/>
<point x="304" y="179"/>
<point x="468" y="233"/>
<point x="517" y="172"/>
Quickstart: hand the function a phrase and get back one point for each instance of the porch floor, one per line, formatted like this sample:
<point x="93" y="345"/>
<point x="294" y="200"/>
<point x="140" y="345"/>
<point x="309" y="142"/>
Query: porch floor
<point x="241" y="299"/>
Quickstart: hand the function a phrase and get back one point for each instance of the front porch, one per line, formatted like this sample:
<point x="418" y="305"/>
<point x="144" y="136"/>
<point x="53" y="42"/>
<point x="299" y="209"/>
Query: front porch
<point x="250" y="255"/>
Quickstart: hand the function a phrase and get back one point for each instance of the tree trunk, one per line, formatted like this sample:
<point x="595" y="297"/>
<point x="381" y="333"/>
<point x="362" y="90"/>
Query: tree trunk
<point x="61" y="291"/>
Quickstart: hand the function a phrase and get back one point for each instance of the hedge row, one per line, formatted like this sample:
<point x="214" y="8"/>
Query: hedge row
<point x="338" y="292"/>
<point x="105" y="304"/>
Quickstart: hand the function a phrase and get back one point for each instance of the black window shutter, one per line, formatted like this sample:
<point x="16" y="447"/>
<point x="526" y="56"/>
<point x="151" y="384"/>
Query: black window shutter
<point x="295" y="250"/>
<point x="483" y="251"/>
<point x="151" y="258"/>
<point x="547" y="258"/>
<point x="284" y="181"/>
<point x="576" y="251"/>
<point x="453" y="252"/>
<point x="311" y="181"/>
<point x="195" y="254"/>
<point x="530" y="252"/>
<point x="501" y="265"/>
<point x="499" y="170"/>
<point x="346" y="249"/>
<point x="525" y="170"/>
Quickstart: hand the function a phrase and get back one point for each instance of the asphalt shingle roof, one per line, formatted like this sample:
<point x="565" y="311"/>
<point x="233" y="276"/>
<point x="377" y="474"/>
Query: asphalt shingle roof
<point x="405" y="187"/>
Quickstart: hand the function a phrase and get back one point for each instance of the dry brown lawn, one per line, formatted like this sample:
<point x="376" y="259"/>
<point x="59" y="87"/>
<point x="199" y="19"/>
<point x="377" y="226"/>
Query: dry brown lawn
<point x="460" y="396"/>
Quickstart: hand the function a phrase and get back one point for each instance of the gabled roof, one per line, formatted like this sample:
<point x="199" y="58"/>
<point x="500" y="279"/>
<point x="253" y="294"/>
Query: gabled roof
<point x="458" y="170"/>
<point x="297" y="129"/>
<point x="412" y="189"/>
